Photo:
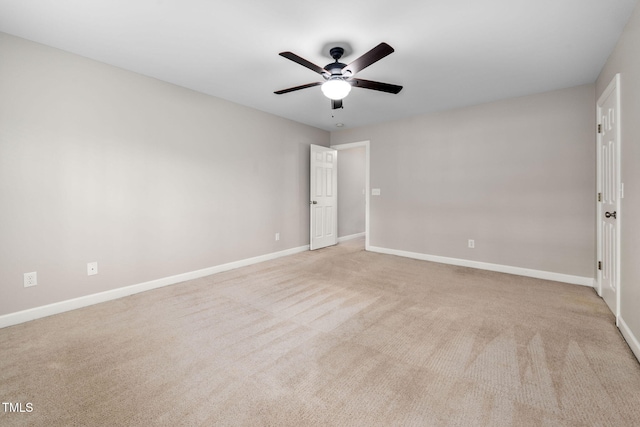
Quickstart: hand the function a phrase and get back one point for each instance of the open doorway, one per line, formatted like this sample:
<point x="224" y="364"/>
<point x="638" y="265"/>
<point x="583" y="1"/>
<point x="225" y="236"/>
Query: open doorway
<point x="353" y="191"/>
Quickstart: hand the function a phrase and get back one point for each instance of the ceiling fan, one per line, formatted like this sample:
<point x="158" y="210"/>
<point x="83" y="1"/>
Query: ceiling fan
<point x="339" y="77"/>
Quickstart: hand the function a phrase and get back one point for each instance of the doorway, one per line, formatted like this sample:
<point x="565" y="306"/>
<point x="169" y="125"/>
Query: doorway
<point x="353" y="190"/>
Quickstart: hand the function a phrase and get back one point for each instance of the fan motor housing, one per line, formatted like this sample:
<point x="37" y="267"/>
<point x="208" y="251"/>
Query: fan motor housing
<point x="335" y="68"/>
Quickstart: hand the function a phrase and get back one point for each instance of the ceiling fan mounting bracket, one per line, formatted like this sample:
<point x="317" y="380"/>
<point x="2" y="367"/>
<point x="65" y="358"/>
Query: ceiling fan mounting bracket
<point x="336" y="53"/>
<point x="347" y="50"/>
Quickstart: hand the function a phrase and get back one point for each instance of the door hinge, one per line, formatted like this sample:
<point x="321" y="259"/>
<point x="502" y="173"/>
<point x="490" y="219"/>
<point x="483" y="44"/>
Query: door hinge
<point x="599" y="265"/>
<point x="599" y="197"/>
<point x="599" y="128"/>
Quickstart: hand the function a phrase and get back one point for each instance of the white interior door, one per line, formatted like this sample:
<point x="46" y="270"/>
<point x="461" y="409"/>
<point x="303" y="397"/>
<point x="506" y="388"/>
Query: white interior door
<point x="324" y="197"/>
<point x="608" y="214"/>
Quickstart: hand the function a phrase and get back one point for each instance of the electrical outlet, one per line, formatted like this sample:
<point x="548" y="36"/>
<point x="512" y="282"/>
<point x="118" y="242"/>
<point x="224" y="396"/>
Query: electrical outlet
<point x="472" y="243"/>
<point x="277" y="236"/>
<point x="30" y="279"/>
<point x="92" y="268"/>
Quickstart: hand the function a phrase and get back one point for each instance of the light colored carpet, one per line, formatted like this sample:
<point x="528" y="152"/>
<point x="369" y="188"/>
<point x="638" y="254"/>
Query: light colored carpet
<point x="337" y="337"/>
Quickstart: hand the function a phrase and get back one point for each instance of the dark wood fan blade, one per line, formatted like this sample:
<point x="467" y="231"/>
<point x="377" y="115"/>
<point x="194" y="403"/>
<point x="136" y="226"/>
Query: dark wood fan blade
<point x="336" y="103"/>
<point x="374" y="55"/>
<point x="310" y="65"/>
<point x="368" y="84"/>
<point x="291" y="89"/>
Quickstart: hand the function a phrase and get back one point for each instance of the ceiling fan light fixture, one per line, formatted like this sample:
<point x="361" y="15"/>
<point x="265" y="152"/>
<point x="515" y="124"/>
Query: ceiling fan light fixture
<point x="336" y="88"/>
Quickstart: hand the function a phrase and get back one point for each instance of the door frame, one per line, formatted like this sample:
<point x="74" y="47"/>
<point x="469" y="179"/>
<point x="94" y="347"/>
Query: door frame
<point x="614" y="85"/>
<point x="367" y="190"/>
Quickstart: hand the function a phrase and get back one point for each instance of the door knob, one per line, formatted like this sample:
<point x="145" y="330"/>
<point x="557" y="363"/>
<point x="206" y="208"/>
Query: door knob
<point x="611" y="214"/>
<point x="313" y="203"/>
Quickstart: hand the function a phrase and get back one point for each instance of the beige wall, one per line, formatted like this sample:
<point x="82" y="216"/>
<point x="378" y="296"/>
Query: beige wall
<point x="351" y="183"/>
<point x="148" y="179"/>
<point x="517" y="176"/>
<point x="625" y="60"/>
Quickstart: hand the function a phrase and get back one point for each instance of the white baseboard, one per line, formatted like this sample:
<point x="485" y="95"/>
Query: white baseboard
<point x="85" y="301"/>
<point x="519" y="271"/>
<point x="351" y="237"/>
<point x="629" y="337"/>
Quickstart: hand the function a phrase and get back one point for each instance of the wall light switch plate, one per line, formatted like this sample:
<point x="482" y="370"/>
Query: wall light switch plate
<point x="92" y="268"/>
<point x="375" y="192"/>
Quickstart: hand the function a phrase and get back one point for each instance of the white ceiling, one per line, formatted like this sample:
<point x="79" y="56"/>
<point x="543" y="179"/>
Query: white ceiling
<point x="449" y="53"/>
